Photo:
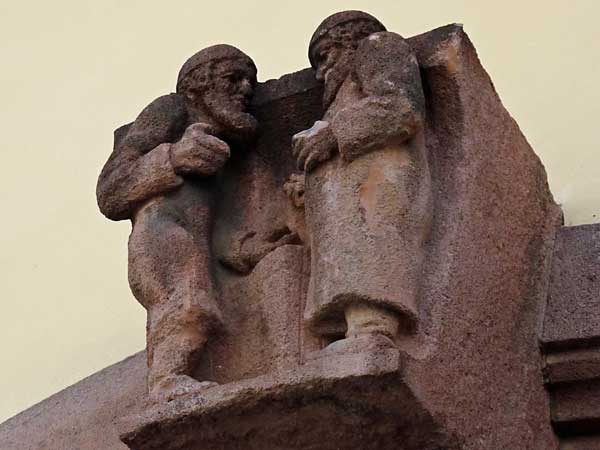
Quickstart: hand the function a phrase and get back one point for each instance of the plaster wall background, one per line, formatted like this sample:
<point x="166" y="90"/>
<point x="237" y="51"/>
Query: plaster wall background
<point x="73" y="70"/>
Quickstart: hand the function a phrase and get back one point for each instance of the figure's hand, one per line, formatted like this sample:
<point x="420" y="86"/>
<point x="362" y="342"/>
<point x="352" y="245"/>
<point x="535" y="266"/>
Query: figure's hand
<point x="312" y="146"/>
<point x="249" y="247"/>
<point x="198" y="152"/>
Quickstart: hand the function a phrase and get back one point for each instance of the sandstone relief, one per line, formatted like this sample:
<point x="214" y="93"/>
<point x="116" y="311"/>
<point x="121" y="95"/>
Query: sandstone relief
<point x="323" y="251"/>
<point x="367" y="194"/>
<point x="161" y="176"/>
<point x="356" y="255"/>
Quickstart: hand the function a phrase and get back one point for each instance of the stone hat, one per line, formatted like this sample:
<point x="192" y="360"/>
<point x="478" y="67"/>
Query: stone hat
<point x="338" y="19"/>
<point x="213" y="53"/>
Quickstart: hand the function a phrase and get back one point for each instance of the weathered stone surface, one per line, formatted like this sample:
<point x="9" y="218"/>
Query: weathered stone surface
<point x="571" y="335"/>
<point x="573" y="314"/>
<point x="368" y="197"/>
<point x="581" y="443"/>
<point x="576" y="407"/>
<point x="353" y="400"/>
<point x="262" y="310"/>
<point x="258" y="340"/>
<point x="162" y="175"/>
<point x="83" y="416"/>
<point x="263" y="326"/>
<point x="470" y="374"/>
<point x="573" y="366"/>
<point x="485" y="277"/>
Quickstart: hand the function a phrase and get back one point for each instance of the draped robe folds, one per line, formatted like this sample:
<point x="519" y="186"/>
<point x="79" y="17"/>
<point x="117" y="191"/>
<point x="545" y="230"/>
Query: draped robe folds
<point x="368" y="216"/>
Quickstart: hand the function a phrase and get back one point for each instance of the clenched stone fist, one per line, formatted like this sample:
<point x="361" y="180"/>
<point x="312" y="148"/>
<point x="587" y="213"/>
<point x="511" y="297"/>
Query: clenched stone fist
<point x="198" y="152"/>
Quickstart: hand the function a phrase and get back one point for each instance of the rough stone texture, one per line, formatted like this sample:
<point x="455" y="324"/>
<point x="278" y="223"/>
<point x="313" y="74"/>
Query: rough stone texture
<point x="83" y="416"/>
<point x="576" y="407"/>
<point x="256" y="339"/>
<point x="470" y="376"/>
<point x="162" y="175"/>
<point x="573" y="366"/>
<point x="484" y="283"/>
<point x="376" y="183"/>
<point x="571" y="336"/>
<point x="320" y="405"/>
<point x="573" y="315"/>
<point x="581" y="443"/>
<point x="262" y="310"/>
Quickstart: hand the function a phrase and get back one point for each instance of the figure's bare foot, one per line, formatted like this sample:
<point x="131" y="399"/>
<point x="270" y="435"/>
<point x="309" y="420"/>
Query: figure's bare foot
<point x="174" y="386"/>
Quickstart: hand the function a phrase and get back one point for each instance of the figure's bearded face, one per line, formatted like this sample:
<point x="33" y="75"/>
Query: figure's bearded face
<point x="227" y="94"/>
<point x="333" y="62"/>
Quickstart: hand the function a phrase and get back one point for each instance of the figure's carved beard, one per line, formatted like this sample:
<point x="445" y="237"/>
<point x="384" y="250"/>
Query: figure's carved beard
<point x="236" y="124"/>
<point x="335" y="77"/>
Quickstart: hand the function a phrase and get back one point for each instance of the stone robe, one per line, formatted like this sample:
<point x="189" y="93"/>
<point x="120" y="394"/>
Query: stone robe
<point x="369" y="208"/>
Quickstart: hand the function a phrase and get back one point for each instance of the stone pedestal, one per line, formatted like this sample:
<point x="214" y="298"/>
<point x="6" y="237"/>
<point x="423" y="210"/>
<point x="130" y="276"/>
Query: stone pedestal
<point x="357" y="400"/>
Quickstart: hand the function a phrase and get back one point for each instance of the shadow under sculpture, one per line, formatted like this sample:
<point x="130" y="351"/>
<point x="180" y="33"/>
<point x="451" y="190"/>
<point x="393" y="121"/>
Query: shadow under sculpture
<point x="161" y="177"/>
<point x="368" y="188"/>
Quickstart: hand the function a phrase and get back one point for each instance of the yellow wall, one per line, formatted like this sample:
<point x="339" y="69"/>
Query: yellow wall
<point x="72" y="71"/>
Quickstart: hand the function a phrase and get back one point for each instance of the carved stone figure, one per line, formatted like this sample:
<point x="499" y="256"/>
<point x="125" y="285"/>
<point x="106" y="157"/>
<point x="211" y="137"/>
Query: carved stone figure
<point x="161" y="177"/>
<point x="444" y="313"/>
<point x="368" y="187"/>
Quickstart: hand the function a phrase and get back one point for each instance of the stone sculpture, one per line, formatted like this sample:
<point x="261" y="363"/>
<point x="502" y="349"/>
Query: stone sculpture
<point x="161" y="177"/>
<point x="391" y="293"/>
<point x="368" y="188"/>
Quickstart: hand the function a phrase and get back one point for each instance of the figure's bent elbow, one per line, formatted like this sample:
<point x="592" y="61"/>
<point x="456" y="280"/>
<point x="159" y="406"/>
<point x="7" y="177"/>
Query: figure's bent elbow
<point x="111" y="206"/>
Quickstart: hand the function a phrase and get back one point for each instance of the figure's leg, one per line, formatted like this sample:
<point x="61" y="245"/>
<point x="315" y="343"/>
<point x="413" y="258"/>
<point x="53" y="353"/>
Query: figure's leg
<point x="170" y="275"/>
<point x="368" y="327"/>
<point x="363" y="319"/>
<point x="176" y="336"/>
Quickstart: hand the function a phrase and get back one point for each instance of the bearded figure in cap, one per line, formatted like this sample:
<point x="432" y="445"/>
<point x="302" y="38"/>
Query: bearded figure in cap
<point x="161" y="176"/>
<point x="367" y="198"/>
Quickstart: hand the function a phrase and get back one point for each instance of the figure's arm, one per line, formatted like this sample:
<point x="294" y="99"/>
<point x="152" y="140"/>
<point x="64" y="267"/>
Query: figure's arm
<point x="129" y="178"/>
<point x="140" y="166"/>
<point x="313" y="146"/>
<point x="393" y="108"/>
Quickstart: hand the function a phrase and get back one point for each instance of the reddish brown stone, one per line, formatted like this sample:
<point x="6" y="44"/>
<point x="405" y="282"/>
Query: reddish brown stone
<point x="581" y="443"/>
<point x="368" y="196"/>
<point x="573" y="366"/>
<point x="571" y="336"/>
<point x="347" y="401"/>
<point x="576" y="407"/>
<point x="83" y="416"/>
<point x="573" y="314"/>
<point x="468" y="377"/>
<point x="474" y="362"/>
<point x="162" y="176"/>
